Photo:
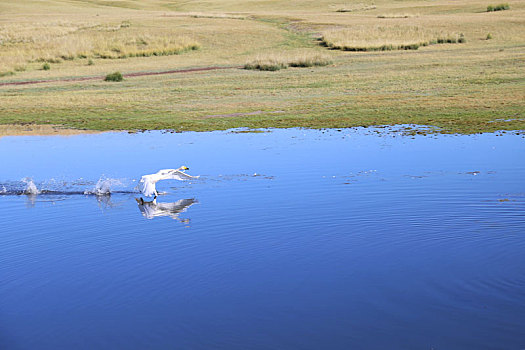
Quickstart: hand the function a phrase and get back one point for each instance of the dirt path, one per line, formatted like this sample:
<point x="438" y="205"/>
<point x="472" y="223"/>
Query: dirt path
<point x="129" y="75"/>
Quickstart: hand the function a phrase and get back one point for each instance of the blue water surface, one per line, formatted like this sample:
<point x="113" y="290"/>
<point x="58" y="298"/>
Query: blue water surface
<point x="290" y="239"/>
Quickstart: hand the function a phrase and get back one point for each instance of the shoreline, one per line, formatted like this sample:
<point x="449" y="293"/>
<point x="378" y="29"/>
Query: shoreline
<point x="408" y="130"/>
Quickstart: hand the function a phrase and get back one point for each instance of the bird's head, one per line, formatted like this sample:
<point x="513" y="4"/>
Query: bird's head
<point x="184" y="167"/>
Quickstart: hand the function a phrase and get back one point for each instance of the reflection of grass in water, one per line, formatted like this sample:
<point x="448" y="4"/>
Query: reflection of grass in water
<point x="249" y="131"/>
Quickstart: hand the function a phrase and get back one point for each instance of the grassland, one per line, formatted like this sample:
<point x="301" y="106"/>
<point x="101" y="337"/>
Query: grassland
<point x="474" y="86"/>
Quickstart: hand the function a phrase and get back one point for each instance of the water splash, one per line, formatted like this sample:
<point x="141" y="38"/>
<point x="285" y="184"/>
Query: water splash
<point x="3" y="190"/>
<point x="104" y="186"/>
<point x="31" y="188"/>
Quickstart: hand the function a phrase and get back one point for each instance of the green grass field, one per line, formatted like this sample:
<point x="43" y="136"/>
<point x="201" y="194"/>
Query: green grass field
<point x="472" y="86"/>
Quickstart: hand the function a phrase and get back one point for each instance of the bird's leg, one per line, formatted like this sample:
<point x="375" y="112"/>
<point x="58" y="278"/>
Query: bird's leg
<point x="141" y="201"/>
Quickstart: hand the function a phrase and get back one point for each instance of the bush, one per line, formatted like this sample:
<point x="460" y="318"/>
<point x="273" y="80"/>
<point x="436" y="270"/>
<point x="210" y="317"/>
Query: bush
<point x="500" y="7"/>
<point x="46" y="66"/>
<point x="489" y="36"/>
<point x="313" y="61"/>
<point x="117" y="76"/>
<point x="267" y="65"/>
<point x="90" y="62"/>
<point x="274" y="63"/>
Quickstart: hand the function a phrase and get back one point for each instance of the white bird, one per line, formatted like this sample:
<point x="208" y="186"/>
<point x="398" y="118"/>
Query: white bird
<point x="147" y="182"/>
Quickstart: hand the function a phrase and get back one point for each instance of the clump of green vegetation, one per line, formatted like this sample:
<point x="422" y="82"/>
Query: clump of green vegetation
<point x="310" y="61"/>
<point x="500" y="7"/>
<point x="20" y="68"/>
<point x="489" y="36"/>
<point x="46" y="66"/>
<point x="269" y="64"/>
<point x="90" y="62"/>
<point x="449" y="40"/>
<point x="277" y="63"/>
<point x="6" y="74"/>
<point x="117" y="76"/>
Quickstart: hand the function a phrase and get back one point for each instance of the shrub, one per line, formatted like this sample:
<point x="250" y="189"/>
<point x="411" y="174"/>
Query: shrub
<point x="46" y="66"/>
<point x="489" y="36"/>
<point x="312" y="61"/>
<point x="117" y="76"/>
<point x="90" y="62"/>
<point x="274" y="63"/>
<point x="266" y="64"/>
<point x="451" y="39"/>
<point x="500" y="7"/>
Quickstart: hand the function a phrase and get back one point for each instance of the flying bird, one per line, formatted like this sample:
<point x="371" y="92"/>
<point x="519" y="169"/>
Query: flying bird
<point x="147" y="182"/>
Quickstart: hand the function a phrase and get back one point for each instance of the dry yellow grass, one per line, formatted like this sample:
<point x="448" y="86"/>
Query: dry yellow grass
<point x="458" y="87"/>
<point x="397" y="15"/>
<point x="216" y="15"/>
<point x="39" y="130"/>
<point x="276" y="61"/>
<point x="353" y="7"/>
<point x="384" y="37"/>
<point x="57" y="41"/>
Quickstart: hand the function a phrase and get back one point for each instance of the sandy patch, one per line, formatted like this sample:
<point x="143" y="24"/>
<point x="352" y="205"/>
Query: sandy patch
<point x="40" y="130"/>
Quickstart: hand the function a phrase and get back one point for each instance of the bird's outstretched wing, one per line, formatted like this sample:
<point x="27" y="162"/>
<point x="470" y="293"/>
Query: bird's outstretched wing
<point x="178" y="175"/>
<point x="147" y="182"/>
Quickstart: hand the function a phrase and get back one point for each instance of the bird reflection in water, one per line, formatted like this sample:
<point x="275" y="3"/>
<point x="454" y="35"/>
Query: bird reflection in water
<point x="154" y="209"/>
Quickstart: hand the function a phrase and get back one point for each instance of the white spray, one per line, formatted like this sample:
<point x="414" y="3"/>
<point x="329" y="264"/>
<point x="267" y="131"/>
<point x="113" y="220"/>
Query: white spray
<point x="104" y="186"/>
<point x="30" y="187"/>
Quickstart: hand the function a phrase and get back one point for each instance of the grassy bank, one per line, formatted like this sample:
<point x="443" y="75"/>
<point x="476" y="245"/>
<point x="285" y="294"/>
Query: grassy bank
<point x="474" y="86"/>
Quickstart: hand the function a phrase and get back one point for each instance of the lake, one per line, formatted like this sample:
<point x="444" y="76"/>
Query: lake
<point x="290" y="239"/>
